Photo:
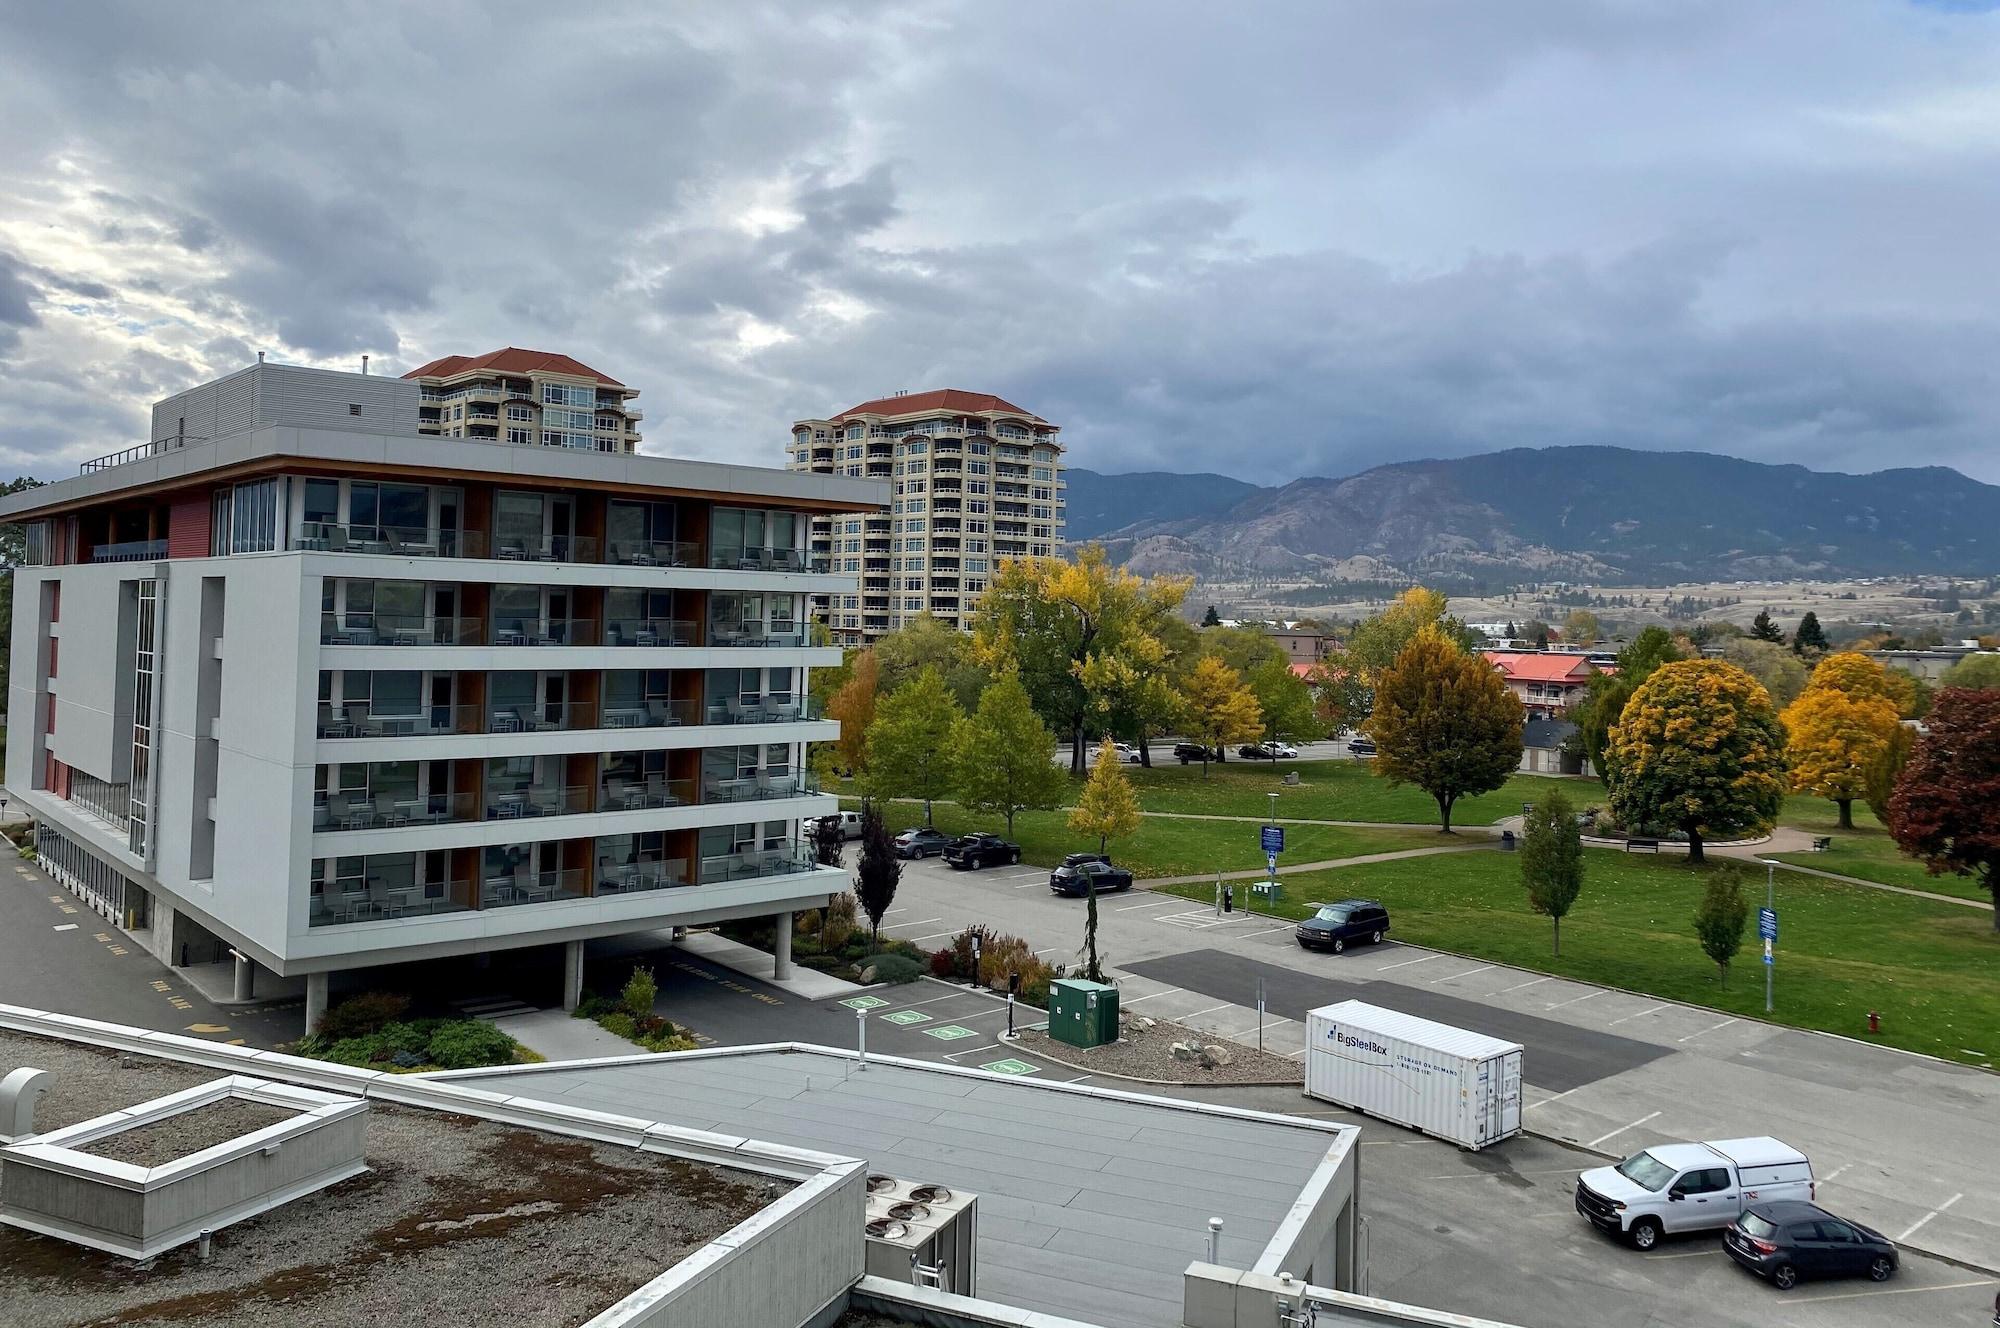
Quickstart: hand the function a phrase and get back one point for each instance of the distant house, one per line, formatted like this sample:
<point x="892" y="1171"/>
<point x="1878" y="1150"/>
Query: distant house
<point x="1548" y="747"/>
<point x="1547" y="683"/>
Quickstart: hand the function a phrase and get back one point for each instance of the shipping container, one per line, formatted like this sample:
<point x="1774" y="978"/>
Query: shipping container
<point x="1444" y="1081"/>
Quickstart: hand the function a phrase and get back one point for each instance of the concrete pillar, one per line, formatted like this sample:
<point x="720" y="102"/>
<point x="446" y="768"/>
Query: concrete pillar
<point x="246" y="977"/>
<point x="161" y="941"/>
<point x="781" y="964"/>
<point x="572" y="989"/>
<point x="315" y="998"/>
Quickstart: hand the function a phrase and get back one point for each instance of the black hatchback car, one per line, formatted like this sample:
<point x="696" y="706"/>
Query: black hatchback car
<point x="1336" y="926"/>
<point x="981" y="850"/>
<point x="1081" y="872"/>
<point x="1786" y="1241"/>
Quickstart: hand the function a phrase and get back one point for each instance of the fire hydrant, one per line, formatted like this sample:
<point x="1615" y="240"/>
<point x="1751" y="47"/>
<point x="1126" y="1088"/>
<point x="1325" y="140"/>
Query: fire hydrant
<point x="1874" y="1022"/>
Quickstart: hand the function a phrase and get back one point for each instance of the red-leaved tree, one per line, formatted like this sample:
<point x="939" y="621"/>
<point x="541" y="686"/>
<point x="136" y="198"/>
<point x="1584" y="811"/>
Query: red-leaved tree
<point x="1946" y="808"/>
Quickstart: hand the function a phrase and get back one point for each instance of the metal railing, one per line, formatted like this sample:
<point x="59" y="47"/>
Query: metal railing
<point x="402" y="541"/>
<point x="548" y="549"/>
<point x="653" y="553"/>
<point x="757" y="788"/>
<point x="534" y="801"/>
<point x="785" y="859"/>
<point x="761" y="710"/>
<point x="130" y="551"/>
<point x="623" y="794"/>
<point x="777" y="635"/>
<point x="645" y="874"/>
<point x="758" y="560"/>
<point x="392" y="810"/>
<point x="513" y="631"/>
<point x="533" y="887"/>
<point x="649" y="632"/>
<point x="399" y="629"/>
<point x="653" y="712"/>
<point x="102" y="798"/>
<point x="130" y="454"/>
<point x="334" y="907"/>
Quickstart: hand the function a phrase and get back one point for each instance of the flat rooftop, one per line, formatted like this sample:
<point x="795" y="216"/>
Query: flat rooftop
<point x="1090" y="1207"/>
<point x="458" y="1222"/>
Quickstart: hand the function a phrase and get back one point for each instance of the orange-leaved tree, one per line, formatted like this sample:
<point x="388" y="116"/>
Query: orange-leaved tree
<point x="1839" y="729"/>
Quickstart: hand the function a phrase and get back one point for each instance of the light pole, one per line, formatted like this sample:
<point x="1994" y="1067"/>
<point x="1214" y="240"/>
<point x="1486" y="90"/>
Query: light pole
<point x="1771" y="907"/>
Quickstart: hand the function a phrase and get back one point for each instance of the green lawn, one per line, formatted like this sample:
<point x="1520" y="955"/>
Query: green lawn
<point x="1866" y="851"/>
<point x="1932" y="969"/>
<point x="1168" y="847"/>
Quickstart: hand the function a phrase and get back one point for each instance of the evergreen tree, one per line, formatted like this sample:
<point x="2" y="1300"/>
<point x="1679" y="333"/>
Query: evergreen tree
<point x="1211" y="618"/>
<point x="878" y="871"/>
<point x="1552" y="859"/>
<point x="1763" y="629"/>
<point x="1809" y="634"/>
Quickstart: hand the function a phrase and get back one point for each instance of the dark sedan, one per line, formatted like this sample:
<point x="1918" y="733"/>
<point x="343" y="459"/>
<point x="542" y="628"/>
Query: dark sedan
<point x="1081" y="877"/>
<point x="1336" y="926"/>
<point x="982" y="850"/>
<point x="1786" y="1241"/>
<point x="924" y="843"/>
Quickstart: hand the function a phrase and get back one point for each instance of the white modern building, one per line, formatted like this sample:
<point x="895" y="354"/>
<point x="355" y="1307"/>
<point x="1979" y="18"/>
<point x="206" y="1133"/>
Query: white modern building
<point x="311" y="685"/>
<point x="975" y="480"/>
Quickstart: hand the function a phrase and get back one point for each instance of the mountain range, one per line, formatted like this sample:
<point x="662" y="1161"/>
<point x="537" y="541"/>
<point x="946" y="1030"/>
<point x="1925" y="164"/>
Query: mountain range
<point x="1605" y="514"/>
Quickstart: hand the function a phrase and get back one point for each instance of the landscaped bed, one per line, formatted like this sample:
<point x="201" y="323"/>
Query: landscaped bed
<point x="458" y="1222"/>
<point x="1146" y="1049"/>
<point x="1931" y="969"/>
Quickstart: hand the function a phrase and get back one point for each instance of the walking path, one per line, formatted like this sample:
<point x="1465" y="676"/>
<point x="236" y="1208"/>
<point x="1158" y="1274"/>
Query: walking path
<point x="1259" y="874"/>
<point x="1883" y="885"/>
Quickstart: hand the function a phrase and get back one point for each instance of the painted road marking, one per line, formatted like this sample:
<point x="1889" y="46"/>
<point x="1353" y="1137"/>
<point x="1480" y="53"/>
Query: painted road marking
<point x="1266" y="932"/>
<point x="1828" y="1179"/>
<point x="972" y="1051"/>
<point x="180" y="1004"/>
<point x="1009" y="1066"/>
<point x="1016" y="876"/>
<point x="936" y="935"/>
<point x="102" y="936"/>
<point x="863" y="1002"/>
<point x="1407" y="962"/>
<point x="119" y="950"/>
<point x="949" y="1032"/>
<point x="1712" y="1028"/>
<point x="208" y="1028"/>
<point x="161" y="986"/>
<point x="1518" y="985"/>
<point x="921" y="922"/>
<point x="908" y="1017"/>
<point x="1586" y="996"/>
<point x="1620" y="1130"/>
<point x="1690" y="1254"/>
<point x="1894" y="1291"/>
<point x="1453" y="977"/>
<point x="67" y="909"/>
<point x="1210" y="1010"/>
<point x="1157" y="903"/>
<point x="1167" y="992"/>
<point x="1553" y="1096"/>
<point x="64" y="926"/>
<point x="1642" y="1014"/>
<point x="1917" y="1225"/>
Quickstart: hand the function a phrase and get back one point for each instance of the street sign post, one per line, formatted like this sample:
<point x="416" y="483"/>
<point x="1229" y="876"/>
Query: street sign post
<point x="1767" y="923"/>
<point x="1767" y="926"/>
<point x="1273" y="839"/>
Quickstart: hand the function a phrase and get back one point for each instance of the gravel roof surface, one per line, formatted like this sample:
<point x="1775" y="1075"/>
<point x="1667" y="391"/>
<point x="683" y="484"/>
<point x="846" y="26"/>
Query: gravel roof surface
<point x="458" y="1222"/>
<point x="187" y="1132"/>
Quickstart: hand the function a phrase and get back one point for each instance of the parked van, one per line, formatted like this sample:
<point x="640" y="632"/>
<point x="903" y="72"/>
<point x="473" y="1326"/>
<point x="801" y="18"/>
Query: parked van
<point x="1691" y="1187"/>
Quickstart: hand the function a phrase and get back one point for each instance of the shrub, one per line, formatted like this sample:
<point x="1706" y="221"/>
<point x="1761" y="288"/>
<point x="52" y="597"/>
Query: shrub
<point x="894" y="968"/>
<point x="838" y="928"/>
<point x="462" y="1044"/>
<point x="906" y="949"/>
<point x="944" y="964"/>
<point x="810" y="922"/>
<point x="620" y="1024"/>
<point x="805" y="945"/>
<point x="594" y="1006"/>
<point x="961" y="948"/>
<point x="359" y="1016"/>
<point x="640" y="992"/>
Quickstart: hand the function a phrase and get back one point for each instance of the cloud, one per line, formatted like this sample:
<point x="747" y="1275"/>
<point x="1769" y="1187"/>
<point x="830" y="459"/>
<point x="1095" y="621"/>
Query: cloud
<point x="1337" y="235"/>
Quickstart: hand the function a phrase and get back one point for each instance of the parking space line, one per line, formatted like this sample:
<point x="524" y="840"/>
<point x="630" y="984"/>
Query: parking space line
<point x="1622" y="1018"/>
<point x="1170" y="991"/>
<point x="1466" y="974"/>
<point x="1210" y="1010"/>
<point x="1051" y="950"/>
<point x="936" y="935"/>
<point x="1157" y="903"/>
<point x="1407" y="962"/>
<point x="1536" y="982"/>
<point x="1553" y="1096"/>
<point x="1621" y="1129"/>
<point x="1828" y="1178"/>
<point x="1688" y="1254"/>
<point x="1893" y="1291"/>
<point x="922" y="922"/>
<point x="954" y="1055"/>
<point x="1029" y="886"/>
<point x="1474" y="1175"/>
<point x="1724" y="1024"/>
<point x="935" y="999"/>
<point x="1918" y="1225"/>
<point x="1586" y="996"/>
<point x="1019" y="876"/>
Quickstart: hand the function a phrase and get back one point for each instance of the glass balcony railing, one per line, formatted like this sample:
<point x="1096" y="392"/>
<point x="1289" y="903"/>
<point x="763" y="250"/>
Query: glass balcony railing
<point x="334" y="906"/>
<point x="652" y="553"/>
<point x="391" y="809"/>
<point x="357" y="720"/>
<point x="622" y="878"/>
<point x="403" y="541"/>
<point x="621" y="793"/>
<point x="760" y="710"/>
<point x="649" y="632"/>
<point x="533" y="887"/>
<point x="387" y="629"/>
<point x="782" y="859"/>
<point x="737" y="635"/>
<point x="758" y="560"/>
<point x="758" y="788"/>
<point x="533" y="801"/>
<point x="548" y="549"/>
<point x="651" y="712"/>
<point x="131" y="551"/>
<point x="512" y="631"/>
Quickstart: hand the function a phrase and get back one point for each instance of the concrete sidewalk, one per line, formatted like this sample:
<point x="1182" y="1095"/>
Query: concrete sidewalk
<point x="806" y="983"/>
<point x="560" y="1036"/>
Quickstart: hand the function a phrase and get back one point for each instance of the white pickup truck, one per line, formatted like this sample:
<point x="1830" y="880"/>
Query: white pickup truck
<point x="1691" y="1187"/>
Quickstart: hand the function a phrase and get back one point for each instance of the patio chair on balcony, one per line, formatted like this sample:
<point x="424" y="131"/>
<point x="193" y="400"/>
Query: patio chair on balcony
<point x="387" y="812"/>
<point x="531" y="721"/>
<point x="660" y="714"/>
<point x="657" y="793"/>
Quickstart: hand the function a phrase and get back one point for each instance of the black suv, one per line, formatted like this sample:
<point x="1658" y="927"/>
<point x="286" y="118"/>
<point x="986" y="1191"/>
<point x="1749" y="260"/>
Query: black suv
<point x="1787" y="1240"/>
<point x="1081" y="872"/>
<point x="1332" y="926"/>
<point x="921" y="843"/>
<point x="981" y="850"/>
<point x="1194" y="751"/>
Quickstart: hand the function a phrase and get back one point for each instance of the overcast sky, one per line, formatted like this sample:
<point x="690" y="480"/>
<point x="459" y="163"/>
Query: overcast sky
<point x="1268" y="239"/>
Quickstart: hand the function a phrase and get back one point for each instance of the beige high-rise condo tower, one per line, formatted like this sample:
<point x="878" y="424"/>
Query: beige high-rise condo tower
<point x="974" y="479"/>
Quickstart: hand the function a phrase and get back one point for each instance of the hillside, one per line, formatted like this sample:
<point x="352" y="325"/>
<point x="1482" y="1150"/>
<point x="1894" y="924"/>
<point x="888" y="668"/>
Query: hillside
<point x="1101" y="503"/>
<point x="1586" y="513"/>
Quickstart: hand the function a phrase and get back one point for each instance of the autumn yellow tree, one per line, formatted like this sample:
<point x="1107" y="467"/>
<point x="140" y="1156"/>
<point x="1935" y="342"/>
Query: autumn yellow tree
<point x="1841" y="726"/>
<point x="1218" y="709"/>
<point x="853" y="706"/>
<point x="1445" y="721"/>
<point x="1108" y="809"/>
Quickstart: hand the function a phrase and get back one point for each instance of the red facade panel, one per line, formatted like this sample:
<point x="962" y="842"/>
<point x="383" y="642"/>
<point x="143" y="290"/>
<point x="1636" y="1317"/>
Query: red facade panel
<point x="187" y="526"/>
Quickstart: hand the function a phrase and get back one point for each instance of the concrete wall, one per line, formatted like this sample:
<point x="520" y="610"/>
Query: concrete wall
<point x="93" y="692"/>
<point x="1227" y="1298"/>
<point x="267" y="394"/>
<point x="1316" y="1239"/>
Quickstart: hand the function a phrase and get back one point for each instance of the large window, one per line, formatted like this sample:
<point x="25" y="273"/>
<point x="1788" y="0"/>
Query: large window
<point x="244" y="519"/>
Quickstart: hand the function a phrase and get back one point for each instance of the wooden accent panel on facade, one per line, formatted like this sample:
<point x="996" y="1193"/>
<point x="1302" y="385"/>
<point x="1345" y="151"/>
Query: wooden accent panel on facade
<point x="188" y="524"/>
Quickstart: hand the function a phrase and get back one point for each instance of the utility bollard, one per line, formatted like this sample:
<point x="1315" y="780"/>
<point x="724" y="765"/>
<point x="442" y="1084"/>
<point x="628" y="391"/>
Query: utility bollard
<point x="1874" y="1021"/>
<point x="861" y="1039"/>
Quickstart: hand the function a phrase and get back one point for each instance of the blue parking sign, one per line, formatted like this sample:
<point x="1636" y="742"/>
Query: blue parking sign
<point x="1767" y="923"/>
<point x="1274" y="839"/>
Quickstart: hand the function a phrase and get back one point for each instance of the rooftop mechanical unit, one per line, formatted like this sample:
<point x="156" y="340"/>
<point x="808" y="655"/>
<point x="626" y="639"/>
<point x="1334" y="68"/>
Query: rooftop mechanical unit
<point x="922" y="1234"/>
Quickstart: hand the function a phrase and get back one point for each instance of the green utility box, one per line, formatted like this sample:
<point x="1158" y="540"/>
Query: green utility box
<point x="1083" y="1014"/>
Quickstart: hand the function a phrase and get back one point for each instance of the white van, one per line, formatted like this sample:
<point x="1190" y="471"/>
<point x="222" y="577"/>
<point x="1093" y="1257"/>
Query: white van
<point x="1691" y="1187"/>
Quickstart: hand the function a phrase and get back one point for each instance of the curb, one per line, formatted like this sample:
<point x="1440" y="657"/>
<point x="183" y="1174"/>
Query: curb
<point x="1164" y="1083"/>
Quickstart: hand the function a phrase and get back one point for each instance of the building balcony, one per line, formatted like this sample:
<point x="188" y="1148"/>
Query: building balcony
<point x="620" y="794"/>
<point x="401" y="541"/>
<point x="757" y="560"/>
<point x="386" y="810"/>
<point x="787" y="858"/>
<point x="130" y="551"/>
<point x="374" y="902"/>
<point x="647" y="632"/>
<point x="359" y="721"/>
<point x="757" y="788"/>
<point x="653" y="553"/>
<point x="778" y="635"/>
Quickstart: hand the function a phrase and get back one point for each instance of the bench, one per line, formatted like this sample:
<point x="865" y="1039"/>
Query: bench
<point x="1821" y="843"/>
<point x="1291" y="779"/>
<point x="1642" y="846"/>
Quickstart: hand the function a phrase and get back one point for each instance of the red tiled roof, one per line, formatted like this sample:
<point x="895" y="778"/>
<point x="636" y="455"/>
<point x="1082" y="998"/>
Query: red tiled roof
<point x="512" y="359"/>
<point x="1302" y="670"/>
<point x="1540" y="668"/>
<point x="944" y="398"/>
